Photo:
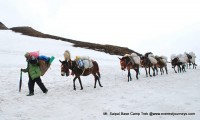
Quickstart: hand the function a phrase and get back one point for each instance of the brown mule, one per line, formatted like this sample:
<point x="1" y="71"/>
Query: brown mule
<point x="72" y="65"/>
<point x="161" y="64"/>
<point x="146" y="63"/>
<point x="126" y="63"/>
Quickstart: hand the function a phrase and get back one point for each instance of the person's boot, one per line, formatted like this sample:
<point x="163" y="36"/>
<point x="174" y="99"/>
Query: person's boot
<point x="30" y="94"/>
<point x="46" y="91"/>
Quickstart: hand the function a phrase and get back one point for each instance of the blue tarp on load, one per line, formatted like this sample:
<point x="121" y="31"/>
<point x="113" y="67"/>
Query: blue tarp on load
<point x="45" y="58"/>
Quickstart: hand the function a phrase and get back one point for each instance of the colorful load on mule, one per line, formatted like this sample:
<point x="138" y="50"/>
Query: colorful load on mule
<point x="84" y="62"/>
<point x="81" y="66"/>
<point x="44" y="62"/>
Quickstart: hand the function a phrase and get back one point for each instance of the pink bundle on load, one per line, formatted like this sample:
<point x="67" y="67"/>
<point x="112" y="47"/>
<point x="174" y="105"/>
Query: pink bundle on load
<point x="35" y="54"/>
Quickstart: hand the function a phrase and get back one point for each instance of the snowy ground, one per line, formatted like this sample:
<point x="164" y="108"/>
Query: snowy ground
<point x="178" y="93"/>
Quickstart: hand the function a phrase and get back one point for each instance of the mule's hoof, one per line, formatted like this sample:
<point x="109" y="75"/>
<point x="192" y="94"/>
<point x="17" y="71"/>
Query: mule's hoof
<point x="81" y="89"/>
<point x="101" y="86"/>
<point x="74" y="88"/>
<point x="94" y="87"/>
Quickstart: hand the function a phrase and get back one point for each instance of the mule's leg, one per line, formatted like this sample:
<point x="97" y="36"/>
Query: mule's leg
<point x="161" y="70"/>
<point x="95" y="80"/>
<point x="194" y="65"/>
<point x="98" y="78"/>
<point x="154" y="68"/>
<point x="183" y="68"/>
<point x="137" y="72"/>
<point x="175" y="69"/>
<point x="74" y="83"/>
<point x="179" y="68"/>
<point x="79" y="79"/>
<point x="150" y="71"/>
<point x="98" y="74"/>
<point x="129" y="75"/>
<point x="166" y="70"/>
<point x="146" y="72"/>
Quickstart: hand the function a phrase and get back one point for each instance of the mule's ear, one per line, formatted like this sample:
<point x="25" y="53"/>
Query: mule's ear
<point x="120" y="58"/>
<point x="60" y="61"/>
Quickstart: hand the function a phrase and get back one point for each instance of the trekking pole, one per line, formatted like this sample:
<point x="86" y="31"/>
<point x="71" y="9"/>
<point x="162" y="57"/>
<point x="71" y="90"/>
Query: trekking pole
<point x="20" y="81"/>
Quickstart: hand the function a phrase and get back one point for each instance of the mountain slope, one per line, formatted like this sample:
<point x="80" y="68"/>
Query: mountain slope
<point x="111" y="49"/>
<point x="2" y="26"/>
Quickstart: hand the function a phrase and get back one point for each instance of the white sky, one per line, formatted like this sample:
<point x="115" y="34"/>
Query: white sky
<point x="163" y="27"/>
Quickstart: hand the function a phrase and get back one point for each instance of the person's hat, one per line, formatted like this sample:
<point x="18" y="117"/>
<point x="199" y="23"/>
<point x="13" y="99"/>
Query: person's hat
<point x="27" y="55"/>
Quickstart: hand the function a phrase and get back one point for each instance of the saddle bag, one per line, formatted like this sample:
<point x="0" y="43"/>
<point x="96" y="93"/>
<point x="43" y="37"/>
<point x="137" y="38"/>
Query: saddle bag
<point x="80" y="63"/>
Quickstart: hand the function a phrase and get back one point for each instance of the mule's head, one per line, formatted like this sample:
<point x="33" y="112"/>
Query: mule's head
<point x="64" y="68"/>
<point x="123" y="63"/>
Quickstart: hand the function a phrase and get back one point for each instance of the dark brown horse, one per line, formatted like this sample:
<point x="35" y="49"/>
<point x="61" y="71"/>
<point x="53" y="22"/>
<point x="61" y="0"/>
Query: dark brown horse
<point x="191" y="60"/>
<point x="146" y="63"/>
<point x="127" y="63"/>
<point x="161" y="64"/>
<point x="176" y="62"/>
<point x="72" y="65"/>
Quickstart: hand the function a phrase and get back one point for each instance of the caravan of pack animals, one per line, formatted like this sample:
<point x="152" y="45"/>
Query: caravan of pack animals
<point x="84" y="66"/>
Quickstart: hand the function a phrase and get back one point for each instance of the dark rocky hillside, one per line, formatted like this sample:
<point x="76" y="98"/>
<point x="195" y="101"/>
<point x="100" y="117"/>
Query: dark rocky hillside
<point x="2" y="26"/>
<point x="110" y="49"/>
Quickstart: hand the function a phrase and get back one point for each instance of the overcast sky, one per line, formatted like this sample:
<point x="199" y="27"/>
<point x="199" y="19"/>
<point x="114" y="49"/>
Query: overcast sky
<point x="161" y="26"/>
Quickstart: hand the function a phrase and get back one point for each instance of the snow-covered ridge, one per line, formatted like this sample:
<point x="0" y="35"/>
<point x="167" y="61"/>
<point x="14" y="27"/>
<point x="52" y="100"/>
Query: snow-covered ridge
<point x="178" y="93"/>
